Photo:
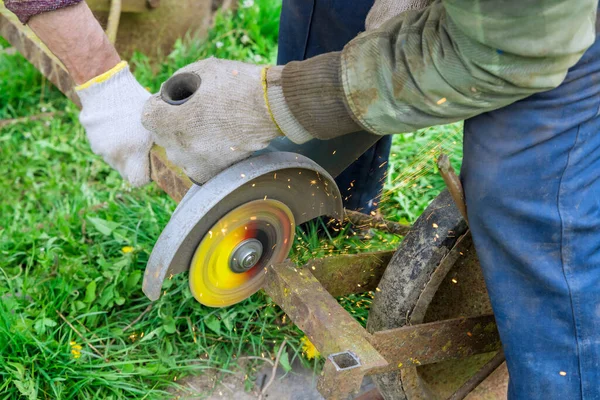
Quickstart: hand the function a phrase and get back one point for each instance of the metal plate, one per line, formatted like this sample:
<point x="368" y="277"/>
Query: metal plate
<point x="298" y="182"/>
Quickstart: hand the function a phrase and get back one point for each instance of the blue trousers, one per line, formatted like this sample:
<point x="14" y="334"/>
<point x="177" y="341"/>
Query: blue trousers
<point x="531" y="178"/>
<point x="312" y="27"/>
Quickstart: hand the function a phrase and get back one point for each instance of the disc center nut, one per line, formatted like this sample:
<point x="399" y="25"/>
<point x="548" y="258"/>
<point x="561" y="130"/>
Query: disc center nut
<point x="246" y="255"/>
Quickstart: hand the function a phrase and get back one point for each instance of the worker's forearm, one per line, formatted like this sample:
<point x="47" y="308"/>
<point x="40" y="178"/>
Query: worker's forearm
<point x="452" y="61"/>
<point x="77" y="39"/>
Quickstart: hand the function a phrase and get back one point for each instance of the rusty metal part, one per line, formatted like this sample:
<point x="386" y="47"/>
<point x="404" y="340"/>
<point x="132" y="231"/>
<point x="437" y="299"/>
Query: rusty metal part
<point x="332" y="330"/>
<point x="364" y="221"/>
<point x="167" y="176"/>
<point x="328" y="326"/>
<point x="453" y="183"/>
<point x="348" y="274"/>
<point x="479" y="377"/>
<point x="296" y="181"/>
<point x="437" y="341"/>
<point x="25" y="41"/>
<point x="341" y="370"/>
<point x="114" y="16"/>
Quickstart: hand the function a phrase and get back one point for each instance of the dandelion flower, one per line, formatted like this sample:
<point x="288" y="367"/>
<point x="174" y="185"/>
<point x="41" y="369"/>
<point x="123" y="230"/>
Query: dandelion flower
<point x="75" y="350"/>
<point x="309" y="349"/>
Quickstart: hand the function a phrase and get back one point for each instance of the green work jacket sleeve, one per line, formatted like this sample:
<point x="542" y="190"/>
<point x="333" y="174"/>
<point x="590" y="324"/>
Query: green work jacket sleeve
<point x="453" y="60"/>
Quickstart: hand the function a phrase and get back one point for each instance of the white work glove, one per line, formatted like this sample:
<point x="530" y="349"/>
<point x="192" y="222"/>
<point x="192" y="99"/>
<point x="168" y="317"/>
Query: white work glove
<point x="223" y="117"/>
<point x="112" y="109"/>
<point x="384" y="10"/>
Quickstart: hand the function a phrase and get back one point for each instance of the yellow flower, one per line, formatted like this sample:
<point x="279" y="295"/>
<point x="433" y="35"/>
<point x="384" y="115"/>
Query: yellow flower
<point x="127" y="249"/>
<point x="309" y="349"/>
<point x="75" y="350"/>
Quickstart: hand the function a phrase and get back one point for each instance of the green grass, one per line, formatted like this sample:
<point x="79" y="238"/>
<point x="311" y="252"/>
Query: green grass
<point x="66" y="219"/>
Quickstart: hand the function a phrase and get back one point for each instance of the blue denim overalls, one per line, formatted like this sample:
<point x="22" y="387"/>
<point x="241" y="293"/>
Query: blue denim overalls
<point x="531" y="177"/>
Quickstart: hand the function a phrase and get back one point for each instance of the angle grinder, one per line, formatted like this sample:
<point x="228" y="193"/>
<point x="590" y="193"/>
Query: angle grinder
<point x="227" y="231"/>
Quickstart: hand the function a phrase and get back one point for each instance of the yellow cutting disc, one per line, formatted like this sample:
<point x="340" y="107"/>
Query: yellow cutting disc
<point x="230" y="262"/>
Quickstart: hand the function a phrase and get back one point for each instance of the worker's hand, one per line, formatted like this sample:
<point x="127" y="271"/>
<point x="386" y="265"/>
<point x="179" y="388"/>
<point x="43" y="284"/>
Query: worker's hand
<point x="112" y="108"/>
<point x="384" y="10"/>
<point x="210" y="115"/>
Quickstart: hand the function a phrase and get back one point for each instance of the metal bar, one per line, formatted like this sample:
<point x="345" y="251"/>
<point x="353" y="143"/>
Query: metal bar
<point x="337" y="379"/>
<point x="364" y="221"/>
<point x="166" y="175"/>
<point x="437" y="341"/>
<point x="453" y="183"/>
<point x="350" y="274"/>
<point x="479" y="377"/>
<point x="332" y="330"/>
<point x="134" y="6"/>
<point x="328" y="326"/>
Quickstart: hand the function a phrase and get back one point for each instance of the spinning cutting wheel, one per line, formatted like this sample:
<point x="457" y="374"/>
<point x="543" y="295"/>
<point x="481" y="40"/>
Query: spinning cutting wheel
<point x="228" y="231"/>
<point x="230" y="262"/>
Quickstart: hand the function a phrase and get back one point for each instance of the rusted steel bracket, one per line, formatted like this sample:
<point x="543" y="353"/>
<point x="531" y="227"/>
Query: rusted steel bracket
<point x="364" y="221"/>
<point x="453" y="183"/>
<point x="165" y="174"/>
<point x="347" y="274"/>
<point x="328" y="326"/>
<point x="479" y="377"/>
<point x="437" y="341"/>
<point x="339" y="337"/>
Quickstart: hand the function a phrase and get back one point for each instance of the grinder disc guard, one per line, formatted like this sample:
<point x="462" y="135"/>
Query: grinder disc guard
<point x="291" y="187"/>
